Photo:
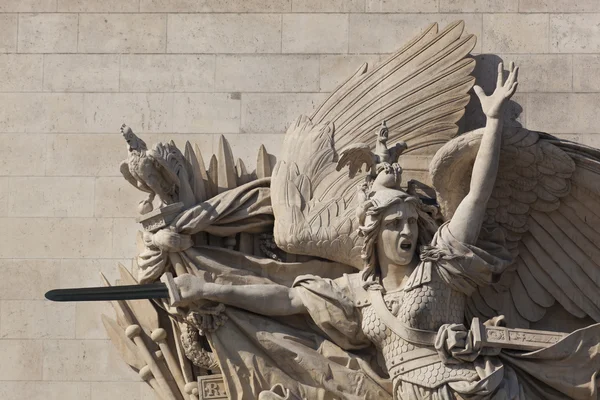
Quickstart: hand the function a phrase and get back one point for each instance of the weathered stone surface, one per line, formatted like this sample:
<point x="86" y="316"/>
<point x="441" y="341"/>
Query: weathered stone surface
<point x="83" y="360"/>
<point x="28" y="6"/>
<point x="27" y="279"/>
<point x="486" y="6"/>
<point x="37" y="390"/>
<point x="310" y="33"/>
<point x="408" y="6"/>
<point x="273" y="113"/>
<point x="53" y="112"/>
<point x="26" y="151"/>
<point x="51" y="197"/>
<point x="122" y="33"/>
<point x="36" y="319"/>
<point x="21" y="72"/>
<point x="381" y="33"/>
<point x="586" y="73"/>
<point x="47" y="33"/>
<point x="113" y="6"/>
<point x="167" y="73"/>
<point x="328" y="6"/>
<point x="212" y="6"/>
<point x="272" y="73"/>
<point x="56" y="237"/>
<point x="574" y="33"/>
<point x="22" y="360"/>
<point x="555" y="6"/>
<point x="515" y="33"/>
<point x="206" y="112"/>
<point x="224" y="33"/>
<point x="81" y="73"/>
<point x="564" y="112"/>
<point x="151" y="112"/>
<point x="8" y="32"/>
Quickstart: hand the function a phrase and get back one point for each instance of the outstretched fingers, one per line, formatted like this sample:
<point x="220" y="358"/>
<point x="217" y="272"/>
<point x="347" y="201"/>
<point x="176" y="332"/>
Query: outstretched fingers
<point x="500" y="77"/>
<point x="512" y="77"/>
<point x="479" y="92"/>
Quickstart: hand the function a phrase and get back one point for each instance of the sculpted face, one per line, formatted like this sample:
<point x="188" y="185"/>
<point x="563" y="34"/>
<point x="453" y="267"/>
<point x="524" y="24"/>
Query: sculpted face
<point x="398" y="234"/>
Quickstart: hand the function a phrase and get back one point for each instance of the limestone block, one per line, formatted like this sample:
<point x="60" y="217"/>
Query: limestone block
<point x="56" y="237"/>
<point x="267" y="73"/>
<point x="515" y="33"/>
<point x="8" y="32"/>
<point x="224" y="33"/>
<point x="539" y="72"/>
<point x="27" y="279"/>
<point x="403" y="6"/>
<point x="328" y="6"/>
<point x="315" y="33"/>
<point x="206" y="112"/>
<point x="47" y="33"/>
<point x="88" y="323"/>
<point x="559" y="6"/>
<point x="116" y="390"/>
<point x="98" y="6"/>
<point x="84" y="360"/>
<point x="122" y="33"/>
<point x="36" y="319"/>
<point x="487" y="6"/>
<point x="4" y="196"/>
<point x="54" y="112"/>
<point x="167" y="73"/>
<point x="335" y="69"/>
<point x="81" y="273"/>
<point x="115" y="197"/>
<point x="77" y="155"/>
<point x="123" y="230"/>
<point x="564" y="112"/>
<point x="575" y="33"/>
<point x="81" y="73"/>
<point x="209" y="6"/>
<point x="36" y="6"/>
<point x="21" y="360"/>
<point x="381" y="33"/>
<point x="45" y="390"/>
<point x="25" y="151"/>
<point x="21" y="72"/>
<point x="274" y="112"/>
<point x="148" y="112"/>
<point x="51" y="197"/>
<point x="586" y="73"/>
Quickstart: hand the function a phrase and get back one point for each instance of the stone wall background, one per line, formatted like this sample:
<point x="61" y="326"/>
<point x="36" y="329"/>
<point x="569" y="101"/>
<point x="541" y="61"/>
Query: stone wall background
<point x="72" y="71"/>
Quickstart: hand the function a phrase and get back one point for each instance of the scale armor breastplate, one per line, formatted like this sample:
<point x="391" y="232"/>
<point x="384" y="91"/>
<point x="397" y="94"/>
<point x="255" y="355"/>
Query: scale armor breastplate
<point x="426" y="307"/>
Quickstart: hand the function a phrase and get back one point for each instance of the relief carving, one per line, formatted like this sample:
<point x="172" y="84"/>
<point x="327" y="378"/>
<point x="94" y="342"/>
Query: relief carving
<point x="374" y="283"/>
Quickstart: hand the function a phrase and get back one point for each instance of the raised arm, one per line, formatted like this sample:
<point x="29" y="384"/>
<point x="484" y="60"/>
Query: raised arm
<point x="271" y="300"/>
<point x="469" y="215"/>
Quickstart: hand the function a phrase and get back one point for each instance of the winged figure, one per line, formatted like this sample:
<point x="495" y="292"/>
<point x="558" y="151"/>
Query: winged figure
<point x="157" y="172"/>
<point x="383" y="294"/>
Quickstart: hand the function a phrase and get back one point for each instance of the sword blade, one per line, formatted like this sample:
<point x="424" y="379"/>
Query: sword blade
<point x="111" y="293"/>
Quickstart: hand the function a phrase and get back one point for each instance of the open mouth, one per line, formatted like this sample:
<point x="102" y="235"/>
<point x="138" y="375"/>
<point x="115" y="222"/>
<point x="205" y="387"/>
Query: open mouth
<point x="406" y="245"/>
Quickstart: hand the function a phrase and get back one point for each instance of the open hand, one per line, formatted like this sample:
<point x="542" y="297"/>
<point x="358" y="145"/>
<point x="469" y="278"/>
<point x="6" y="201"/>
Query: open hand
<point x="493" y="105"/>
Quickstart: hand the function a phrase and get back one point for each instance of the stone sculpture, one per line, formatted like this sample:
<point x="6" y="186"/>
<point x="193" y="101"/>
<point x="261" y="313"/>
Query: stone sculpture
<point x="489" y="289"/>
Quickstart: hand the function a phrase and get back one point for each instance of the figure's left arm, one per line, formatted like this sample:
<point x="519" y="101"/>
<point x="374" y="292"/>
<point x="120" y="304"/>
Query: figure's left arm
<point x="469" y="215"/>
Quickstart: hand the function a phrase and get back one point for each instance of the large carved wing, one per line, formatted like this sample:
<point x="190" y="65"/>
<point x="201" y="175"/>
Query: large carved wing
<point x="421" y="92"/>
<point x="547" y="201"/>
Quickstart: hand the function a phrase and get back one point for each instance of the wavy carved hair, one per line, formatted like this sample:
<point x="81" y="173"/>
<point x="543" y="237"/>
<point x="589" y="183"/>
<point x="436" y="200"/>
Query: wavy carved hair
<point x="371" y="225"/>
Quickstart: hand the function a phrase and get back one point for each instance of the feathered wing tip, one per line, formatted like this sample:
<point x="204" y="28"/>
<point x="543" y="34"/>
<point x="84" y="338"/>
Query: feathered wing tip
<point x="545" y="200"/>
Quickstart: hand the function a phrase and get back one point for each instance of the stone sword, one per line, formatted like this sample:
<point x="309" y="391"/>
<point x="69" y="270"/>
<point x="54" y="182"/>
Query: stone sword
<point x="484" y="336"/>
